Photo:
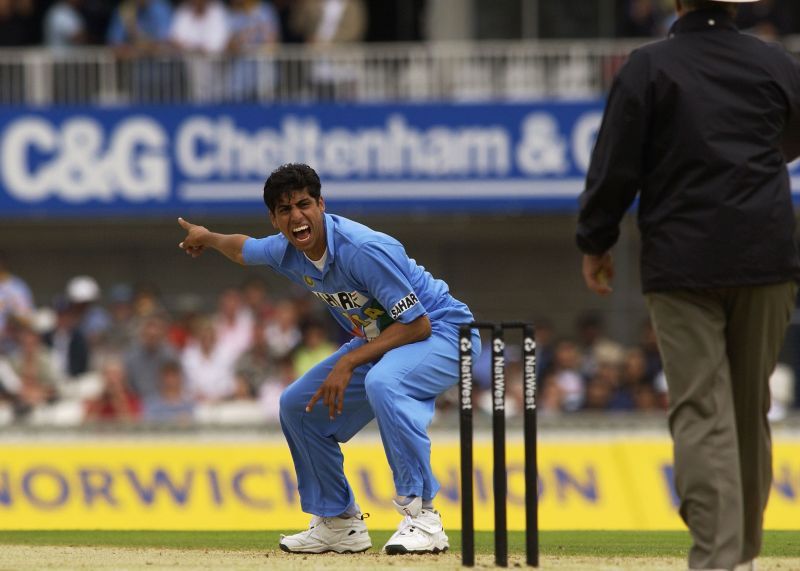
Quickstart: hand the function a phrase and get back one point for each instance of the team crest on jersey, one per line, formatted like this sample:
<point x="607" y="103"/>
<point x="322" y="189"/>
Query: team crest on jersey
<point x="309" y="281"/>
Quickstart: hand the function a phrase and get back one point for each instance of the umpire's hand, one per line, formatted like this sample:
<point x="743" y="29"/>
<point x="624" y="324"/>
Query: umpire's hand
<point x="195" y="242"/>
<point x="598" y="271"/>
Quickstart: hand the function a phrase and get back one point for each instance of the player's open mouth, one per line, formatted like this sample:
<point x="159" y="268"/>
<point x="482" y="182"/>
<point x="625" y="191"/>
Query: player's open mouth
<point x="302" y="233"/>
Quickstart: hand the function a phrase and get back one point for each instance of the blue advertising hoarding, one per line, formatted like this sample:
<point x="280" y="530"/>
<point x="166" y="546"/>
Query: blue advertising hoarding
<point x="165" y="161"/>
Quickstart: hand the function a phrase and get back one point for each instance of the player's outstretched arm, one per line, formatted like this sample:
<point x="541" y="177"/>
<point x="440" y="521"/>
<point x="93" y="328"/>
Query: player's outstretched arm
<point x="198" y="238"/>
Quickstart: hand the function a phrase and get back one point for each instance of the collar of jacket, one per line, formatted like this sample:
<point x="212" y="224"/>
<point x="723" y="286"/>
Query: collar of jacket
<point x="702" y="20"/>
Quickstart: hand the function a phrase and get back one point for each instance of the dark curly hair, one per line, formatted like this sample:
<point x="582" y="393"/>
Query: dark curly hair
<point x="288" y="178"/>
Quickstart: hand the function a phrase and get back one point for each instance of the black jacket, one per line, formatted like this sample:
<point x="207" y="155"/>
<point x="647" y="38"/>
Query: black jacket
<point x="701" y="125"/>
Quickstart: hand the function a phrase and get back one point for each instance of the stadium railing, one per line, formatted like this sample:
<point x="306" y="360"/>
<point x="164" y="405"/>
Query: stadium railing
<point x="457" y="71"/>
<point x="474" y="71"/>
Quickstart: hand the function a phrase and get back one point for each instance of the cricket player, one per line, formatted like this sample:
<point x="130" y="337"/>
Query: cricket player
<point x="403" y="354"/>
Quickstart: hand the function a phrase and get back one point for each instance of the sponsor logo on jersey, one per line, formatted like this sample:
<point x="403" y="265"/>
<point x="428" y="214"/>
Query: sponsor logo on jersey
<point x="403" y="305"/>
<point x="343" y="299"/>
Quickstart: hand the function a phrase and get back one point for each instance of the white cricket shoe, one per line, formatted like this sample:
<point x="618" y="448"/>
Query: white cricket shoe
<point x="420" y="531"/>
<point x="324" y="534"/>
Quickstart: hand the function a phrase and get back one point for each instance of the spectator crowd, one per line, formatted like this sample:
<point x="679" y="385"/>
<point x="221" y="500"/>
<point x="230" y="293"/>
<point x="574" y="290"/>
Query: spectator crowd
<point x="123" y="356"/>
<point x="146" y="27"/>
<point x="768" y="19"/>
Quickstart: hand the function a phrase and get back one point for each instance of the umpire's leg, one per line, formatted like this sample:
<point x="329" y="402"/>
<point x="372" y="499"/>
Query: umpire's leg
<point x="757" y="322"/>
<point x="691" y="330"/>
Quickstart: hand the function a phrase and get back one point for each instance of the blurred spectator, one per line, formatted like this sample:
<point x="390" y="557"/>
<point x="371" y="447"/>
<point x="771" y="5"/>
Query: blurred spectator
<point x="606" y="389"/>
<point x="254" y="28"/>
<point x="147" y="300"/>
<point x="147" y="356"/>
<point x="19" y="23"/>
<point x="649" y="346"/>
<point x="314" y="347"/>
<point x="121" y="330"/>
<point x="188" y="309"/>
<point x="140" y="27"/>
<point x="514" y="396"/>
<point x="269" y="394"/>
<point x="284" y="10"/>
<point x="116" y="402"/>
<point x="64" y="25"/>
<point x="16" y="301"/>
<point x="545" y="334"/>
<point x="255" y="295"/>
<point x="256" y="365"/>
<point x="781" y="386"/>
<point x="200" y="27"/>
<point x="84" y="293"/>
<point x="636" y="378"/>
<point x="169" y="404"/>
<point x="768" y="19"/>
<point x="283" y="333"/>
<point x="97" y="15"/>
<point x="567" y="376"/>
<point x="36" y="369"/>
<point x="71" y="349"/>
<point x="233" y="323"/>
<point x="549" y="400"/>
<point x="253" y="25"/>
<point x="208" y="365"/>
<point x="323" y="23"/>
<point x="642" y="19"/>
<point x="9" y="381"/>
<point x="592" y="340"/>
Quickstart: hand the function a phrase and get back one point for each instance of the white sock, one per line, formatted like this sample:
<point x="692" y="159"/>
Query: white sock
<point x="405" y="500"/>
<point x="352" y="511"/>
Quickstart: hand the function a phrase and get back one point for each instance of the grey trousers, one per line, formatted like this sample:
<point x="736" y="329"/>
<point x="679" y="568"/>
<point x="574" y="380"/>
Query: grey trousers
<point x="719" y="347"/>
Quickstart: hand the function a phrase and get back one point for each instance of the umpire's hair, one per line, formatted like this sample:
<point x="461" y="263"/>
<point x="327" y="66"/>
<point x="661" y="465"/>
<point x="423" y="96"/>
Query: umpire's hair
<point x="705" y="4"/>
<point x="289" y="178"/>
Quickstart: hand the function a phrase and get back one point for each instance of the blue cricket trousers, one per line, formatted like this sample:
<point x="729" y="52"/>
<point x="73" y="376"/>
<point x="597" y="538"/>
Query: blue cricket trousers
<point x="399" y="391"/>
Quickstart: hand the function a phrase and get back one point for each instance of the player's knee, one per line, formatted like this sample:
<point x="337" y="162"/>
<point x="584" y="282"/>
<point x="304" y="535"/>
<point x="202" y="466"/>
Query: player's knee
<point x="291" y="401"/>
<point x="379" y="386"/>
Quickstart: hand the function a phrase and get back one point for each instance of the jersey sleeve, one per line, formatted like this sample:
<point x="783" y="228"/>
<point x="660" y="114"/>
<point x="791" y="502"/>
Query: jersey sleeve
<point x="263" y="251"/>
<point x="379" y="268"/>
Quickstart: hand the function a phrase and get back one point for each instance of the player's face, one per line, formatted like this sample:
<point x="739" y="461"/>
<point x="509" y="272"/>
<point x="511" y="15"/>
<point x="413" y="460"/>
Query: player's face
<point x="299" y="217"/>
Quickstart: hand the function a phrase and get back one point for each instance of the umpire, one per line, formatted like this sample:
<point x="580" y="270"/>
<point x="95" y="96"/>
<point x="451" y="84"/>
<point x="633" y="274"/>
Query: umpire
<point x="701" y="126"/>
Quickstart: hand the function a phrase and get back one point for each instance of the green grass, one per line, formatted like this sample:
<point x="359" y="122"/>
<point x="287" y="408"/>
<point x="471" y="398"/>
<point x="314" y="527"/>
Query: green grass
<point x="569" y="543"/>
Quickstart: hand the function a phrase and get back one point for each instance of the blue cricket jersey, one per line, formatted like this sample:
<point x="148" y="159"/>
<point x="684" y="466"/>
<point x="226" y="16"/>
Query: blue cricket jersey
<point x="368" y="281"/>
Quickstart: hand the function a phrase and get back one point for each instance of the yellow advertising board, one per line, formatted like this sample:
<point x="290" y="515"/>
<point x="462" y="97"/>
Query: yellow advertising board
<point x="603" y="484"/>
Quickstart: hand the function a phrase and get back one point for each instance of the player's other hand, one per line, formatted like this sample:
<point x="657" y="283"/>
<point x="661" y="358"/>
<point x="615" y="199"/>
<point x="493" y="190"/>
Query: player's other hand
<point x="598" y="271"/>
<point x="331" y="391"/>
<point x="195" y="242"/>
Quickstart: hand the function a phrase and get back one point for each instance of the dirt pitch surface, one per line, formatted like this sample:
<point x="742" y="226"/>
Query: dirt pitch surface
<point x="14" y="557"/>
